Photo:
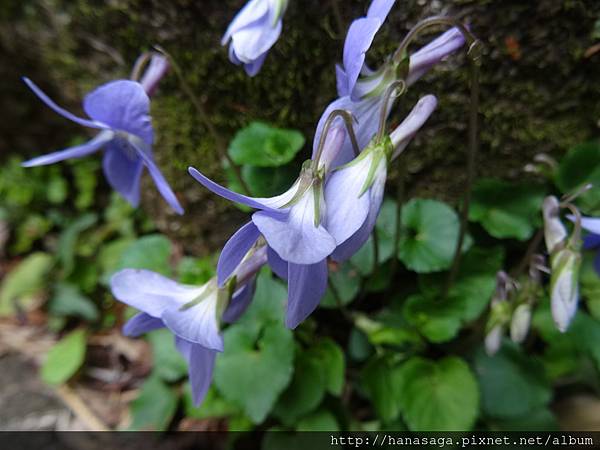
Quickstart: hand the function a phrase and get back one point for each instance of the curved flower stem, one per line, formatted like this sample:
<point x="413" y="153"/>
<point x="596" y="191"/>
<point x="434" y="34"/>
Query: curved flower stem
<point x="427" y="23"/>
<point x="375" y="250"/>
<point x="400" y="194"/>
<point x="471" y="160"/>
<point x="340" y="304"/>
<point x="393" y="91"/>
<point x="576" y="235"/>
<point x="139" y="66"/>
<point x="348" y="119"/>
<point x="220" y="144"/>
<point x="339" y="22"/>
<point x="531" y="250"/>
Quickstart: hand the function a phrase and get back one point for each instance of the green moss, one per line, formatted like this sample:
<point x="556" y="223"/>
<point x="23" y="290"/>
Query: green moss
<point x="543" y="97"/>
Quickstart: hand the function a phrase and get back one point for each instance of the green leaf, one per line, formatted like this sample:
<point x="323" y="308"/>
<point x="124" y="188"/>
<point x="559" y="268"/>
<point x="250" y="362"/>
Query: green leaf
<point x="155" y="406"/>
<point x="85" y="177"/>
<point x="67" y="242"/>
<point x="589" y="283"/>
<point x="389" y="328"/>
<point x="513" y="384"/>
<point x="256" y="367"/>
<point x="505" y="209"/>
<point x="195" y="271"/>
<point x="258" y="361"/>
<point x="304" y="393"/>
<point x="386" y="231"/>
<point x="67" y="300"/>
<point x="437" y="319"/>
<point x="34" y="227"/>
<point x="260" y="144"/>
<point x="57" y="188"/>
<point x="268" y="303"/>
<point x="321" y="420"/>
<point x="332" y="363"/>
<point x="269" y="181"/>
<point x="567" y="351"/>
<point x="437" y="396"/>
<point x="213" y="405"/>
<point x="109" y="257"/>
<point x="346" y="282"/>
<point x="429" y="234"/>
<point x="277" y="438"/>
<point x="476" y="281"/>
<point x="581" y="165"/>
<point x="379" y="383"/>
<point x="23" y="281"/>
<point x="168" y="363"/>
<point x="150" y="252"/>
<point x="359" y="348"/>
<point x="65" y="358"/>
<point x="539" y="420"/>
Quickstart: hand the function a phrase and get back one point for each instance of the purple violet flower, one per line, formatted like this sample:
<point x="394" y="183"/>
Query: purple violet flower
<point x="192" y="313"/>
<point x="361" y="90"/>
<point x="157" y="68"/>
<point x="354" y="192"/>
<point x="253" y="31"/>
<point x="591" y="241"/>
<point x="292" y="225"/>
<point x="121" y="111"/>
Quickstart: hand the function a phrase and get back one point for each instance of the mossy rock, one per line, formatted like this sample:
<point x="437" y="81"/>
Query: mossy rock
<point x="539" y="90"/>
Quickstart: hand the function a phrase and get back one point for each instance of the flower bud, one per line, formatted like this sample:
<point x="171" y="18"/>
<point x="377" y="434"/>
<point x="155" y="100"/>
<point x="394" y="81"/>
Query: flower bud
<point x="519" y="325"/>
<point x="157" y="68"/>
<point x="493" y="340"/>
<point x="555" y="232"/>
<point x="564" y="287"/>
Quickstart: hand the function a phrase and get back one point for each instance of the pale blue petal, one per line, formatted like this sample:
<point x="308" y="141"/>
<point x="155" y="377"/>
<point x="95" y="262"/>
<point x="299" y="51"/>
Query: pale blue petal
<point x="403" y="134"/>
<point x="159" y="180"/>
<point x="239" y="303"/>
<point x="123" y="172"/>
<point x="198" y="323"/>
<point x="347" y="209"/>
<point x="122" y="105"/>
<point x="425" y="58"/>
<point x="252" y="68"/>
<point x="358" y="40"/>
<point x="78" y="151"/>
<point x="252" y="12"/>
<point x="306" y="287"/>
<point x="278" y="265"/>
<point x="347" y="249"/>
<point x="366" y="112"/>
<point x="141" y="323"/>
<point x="63" y="112"/>
<point x="341" y="81"/>
<point x="380" y="9"/>
<point x="158" y="67"/>
<point x="233" y="196"/>
<point x="151" y="292"/>
<point x="296" y="239"/>
<point x="234" y="251"/>
<point x="201" y="363"/>
<point x="255" y="40"/>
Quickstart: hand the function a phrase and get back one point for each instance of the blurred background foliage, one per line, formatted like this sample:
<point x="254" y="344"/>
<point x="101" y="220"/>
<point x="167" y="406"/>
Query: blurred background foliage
<point x="385" y="350"/>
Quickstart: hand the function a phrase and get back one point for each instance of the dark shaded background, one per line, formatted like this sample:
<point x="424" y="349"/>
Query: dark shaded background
<point x="539" y="89"/>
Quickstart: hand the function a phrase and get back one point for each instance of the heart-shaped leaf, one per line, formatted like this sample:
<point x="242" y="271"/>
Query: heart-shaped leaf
<point x="437" y="395"/>
<point x="507" y="210"/>
<point x="262" y="145"/>
<point x="429" y="235"/>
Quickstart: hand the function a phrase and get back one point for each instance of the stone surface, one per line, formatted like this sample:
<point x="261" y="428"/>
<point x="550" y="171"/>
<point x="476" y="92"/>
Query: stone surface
<point x="539" y="90"/>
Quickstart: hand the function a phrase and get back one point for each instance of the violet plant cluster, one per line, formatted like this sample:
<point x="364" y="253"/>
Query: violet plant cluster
<point x="327" y="214"/>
